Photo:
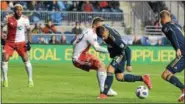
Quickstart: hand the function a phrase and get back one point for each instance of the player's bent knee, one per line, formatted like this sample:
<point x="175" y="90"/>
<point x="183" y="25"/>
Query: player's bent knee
<point x="119" y="76"/>
<point x="110" y="69"/>
<point x="166" y="74"/>
<point x="5" y="57"/>
<point x="163" y="76"/>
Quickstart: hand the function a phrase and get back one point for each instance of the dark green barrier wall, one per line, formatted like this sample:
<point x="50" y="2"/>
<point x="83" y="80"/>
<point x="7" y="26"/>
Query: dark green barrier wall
<point x="63" y="53"/>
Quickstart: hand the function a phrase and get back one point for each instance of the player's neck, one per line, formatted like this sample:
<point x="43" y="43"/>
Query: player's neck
<point x="17" y="17"/>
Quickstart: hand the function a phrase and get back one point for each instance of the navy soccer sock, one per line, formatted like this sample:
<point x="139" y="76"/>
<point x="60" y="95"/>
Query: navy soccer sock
<point x="176" y="82"/>
<point x="108" y="82"/>
<point x="132" y="78"/>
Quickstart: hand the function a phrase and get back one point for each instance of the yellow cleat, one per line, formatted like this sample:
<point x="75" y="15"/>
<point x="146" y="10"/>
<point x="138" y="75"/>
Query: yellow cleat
<point x="5" y="83"/>
<point x="30" y="84"/>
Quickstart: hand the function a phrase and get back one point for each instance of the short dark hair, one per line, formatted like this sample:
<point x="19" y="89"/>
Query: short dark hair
<point x="164" y="12"/>
<point x="100" y="30"/>
<point x="96" y="20"/>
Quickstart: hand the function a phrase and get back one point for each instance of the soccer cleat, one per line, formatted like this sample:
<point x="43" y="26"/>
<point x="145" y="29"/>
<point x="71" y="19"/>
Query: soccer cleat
<point x="147" y="81"/>
<point x="5" y="83"/>
<point x="30" y="84"/>
<point x="111" y="92"/>
<point x="181" y="98"/>
<point x="102" y="96"/>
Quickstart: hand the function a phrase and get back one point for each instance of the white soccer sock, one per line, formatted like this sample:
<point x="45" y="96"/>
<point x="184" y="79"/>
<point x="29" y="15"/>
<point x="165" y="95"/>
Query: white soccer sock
<point x="28" y="70"/>
<point x="5" y="70"/>
<point x="101" y="76"/>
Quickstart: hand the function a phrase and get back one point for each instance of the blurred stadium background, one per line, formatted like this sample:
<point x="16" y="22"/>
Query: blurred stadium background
<point x="56" y="23"/>
<point x="138" y="22"/>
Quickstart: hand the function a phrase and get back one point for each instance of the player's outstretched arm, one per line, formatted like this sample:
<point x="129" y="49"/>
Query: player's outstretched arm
<point x="98" y="48"/>
<point x="93" y="41"/>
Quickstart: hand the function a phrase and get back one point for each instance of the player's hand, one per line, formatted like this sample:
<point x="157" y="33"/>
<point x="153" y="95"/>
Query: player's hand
<point x="28" y="46"/>
<point x="178" y="53"/>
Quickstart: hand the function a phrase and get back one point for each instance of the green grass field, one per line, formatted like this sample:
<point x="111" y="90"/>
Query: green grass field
<point x="61" y="82"/>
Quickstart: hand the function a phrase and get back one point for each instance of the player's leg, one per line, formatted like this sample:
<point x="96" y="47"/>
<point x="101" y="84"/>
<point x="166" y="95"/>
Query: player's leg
<point x="4" y="68"/>
<point x="128" y="58"/>
<point x="118" y="64"/>
<point x="133" y="78"/>
<point x="87" y="62"/>
<point x="115" y="64"/>
<point x="21" y="50"/>
<point x="101" y="73"/>
<point x="7" y="53"/>
<point x="120" y="76"/>
<point x="128" y="77"/>
<point x="177" y="65"/>
<point x="101" y="76"/>
<point x="108" y="82"/>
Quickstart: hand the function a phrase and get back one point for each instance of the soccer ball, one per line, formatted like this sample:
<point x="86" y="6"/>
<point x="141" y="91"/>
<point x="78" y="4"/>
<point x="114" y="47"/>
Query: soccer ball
<point x="142" y="92"/>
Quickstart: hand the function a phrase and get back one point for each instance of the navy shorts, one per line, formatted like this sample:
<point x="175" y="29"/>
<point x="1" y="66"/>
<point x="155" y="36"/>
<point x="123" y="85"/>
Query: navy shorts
<point x="177" y="65"/>
<point x="118" y="63"/>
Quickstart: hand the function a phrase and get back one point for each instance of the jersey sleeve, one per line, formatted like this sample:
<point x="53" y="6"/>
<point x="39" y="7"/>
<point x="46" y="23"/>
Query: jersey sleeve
<point x="94" y="42"/>
<point x="169" y="32"/>
<point x="91" y="39"/>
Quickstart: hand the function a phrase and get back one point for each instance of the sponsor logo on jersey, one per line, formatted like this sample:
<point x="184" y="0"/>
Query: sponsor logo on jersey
<point x="20" y="27"/>
<point x="175" y="68"/>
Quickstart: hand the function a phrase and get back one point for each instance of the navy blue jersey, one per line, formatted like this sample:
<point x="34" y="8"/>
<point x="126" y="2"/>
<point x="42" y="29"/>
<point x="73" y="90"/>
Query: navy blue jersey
<point x="175" y="35"/>
<point x="114" y="43"/>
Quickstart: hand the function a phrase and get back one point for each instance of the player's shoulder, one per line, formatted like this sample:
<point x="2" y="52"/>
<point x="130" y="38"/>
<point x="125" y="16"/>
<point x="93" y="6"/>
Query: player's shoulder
<point x="25" y="17"/>
<point x="176" y="24"/>
<point x="88" y="31"/>
<point x="166" y="27"/>
<point x="89" y="34"/>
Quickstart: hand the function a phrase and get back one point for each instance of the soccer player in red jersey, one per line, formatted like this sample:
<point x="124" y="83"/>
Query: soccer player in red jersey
<point x="17" y="24"/>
